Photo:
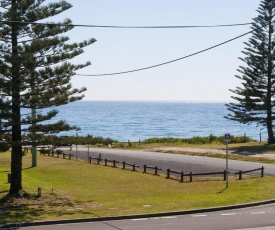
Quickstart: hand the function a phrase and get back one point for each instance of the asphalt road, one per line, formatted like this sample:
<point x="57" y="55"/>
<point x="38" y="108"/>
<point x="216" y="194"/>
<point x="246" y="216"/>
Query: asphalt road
<point x="176" y="162"/>
<point x="256" y="218"/>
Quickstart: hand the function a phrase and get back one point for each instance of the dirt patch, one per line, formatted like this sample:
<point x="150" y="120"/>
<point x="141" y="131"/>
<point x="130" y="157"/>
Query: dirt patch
<point x="193" y="150"/>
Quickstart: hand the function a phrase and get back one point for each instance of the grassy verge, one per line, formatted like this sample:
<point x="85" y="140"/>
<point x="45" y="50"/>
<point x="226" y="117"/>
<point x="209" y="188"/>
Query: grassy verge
<point x="254" y="147"/>
<point x="76" y="189"/>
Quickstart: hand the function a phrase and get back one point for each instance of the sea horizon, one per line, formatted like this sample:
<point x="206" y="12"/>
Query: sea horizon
<point x="159" y="101"/>
<point x="140" y="120"/>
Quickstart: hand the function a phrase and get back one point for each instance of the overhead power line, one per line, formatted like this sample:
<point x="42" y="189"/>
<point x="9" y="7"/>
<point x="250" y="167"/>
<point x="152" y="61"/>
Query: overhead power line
<point x="142" y="27"/>
<point x="126" y="27"/>
<point x="168" y="62"/>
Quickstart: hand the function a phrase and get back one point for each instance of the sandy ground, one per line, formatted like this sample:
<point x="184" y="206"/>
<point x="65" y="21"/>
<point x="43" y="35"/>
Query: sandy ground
<point x="204" y="150"/>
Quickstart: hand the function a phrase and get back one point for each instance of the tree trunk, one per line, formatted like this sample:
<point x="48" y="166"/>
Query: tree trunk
<point x="269" y="85"/>
<point x="16" y="154"/>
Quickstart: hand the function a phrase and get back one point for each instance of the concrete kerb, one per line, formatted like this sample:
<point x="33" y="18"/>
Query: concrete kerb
<point x="138" y="216"/>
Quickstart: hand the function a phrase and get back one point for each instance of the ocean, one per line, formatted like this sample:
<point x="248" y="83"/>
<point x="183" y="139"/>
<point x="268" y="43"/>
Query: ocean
<point x="136" y="121"/>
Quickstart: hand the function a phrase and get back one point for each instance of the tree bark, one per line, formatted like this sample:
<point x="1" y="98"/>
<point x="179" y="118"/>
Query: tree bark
<point x="16" y="154"/>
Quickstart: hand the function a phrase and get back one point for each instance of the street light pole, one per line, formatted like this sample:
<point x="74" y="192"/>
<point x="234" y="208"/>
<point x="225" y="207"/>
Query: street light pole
<point x="226" y="165"/>
<point x="227" y="140"/>
<point x="76" y="150"/>
<point x="34" y="150"/>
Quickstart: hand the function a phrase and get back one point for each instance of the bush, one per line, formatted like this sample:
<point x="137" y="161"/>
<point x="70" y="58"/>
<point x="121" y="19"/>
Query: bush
<point x="199" y="140"/>
<point x="44" y="151"/>
<point x="79" y="140"/>
<point x="4" y="146"/>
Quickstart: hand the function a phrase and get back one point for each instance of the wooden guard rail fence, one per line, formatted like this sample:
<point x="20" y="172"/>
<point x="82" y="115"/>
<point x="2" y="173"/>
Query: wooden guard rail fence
<point x="156" y="169"/>
<point x="98" y="159"/>
<point x="67" y="154"/>
<point x="124" y="164"/>
<point x="110" y="161"/>
<point x="253" y="170"/>
<point x="169" y="171"/>
<point x="206" y="174"/>
<point x="182" y="175"/>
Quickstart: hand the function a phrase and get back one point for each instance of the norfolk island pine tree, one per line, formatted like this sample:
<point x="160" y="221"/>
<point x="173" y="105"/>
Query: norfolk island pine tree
<point x="255" y="98"/>
<point x="35" y="73"/>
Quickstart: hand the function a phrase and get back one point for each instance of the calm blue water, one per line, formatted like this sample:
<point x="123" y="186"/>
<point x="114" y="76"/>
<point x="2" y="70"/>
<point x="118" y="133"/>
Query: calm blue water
<point x="135" y="121"/>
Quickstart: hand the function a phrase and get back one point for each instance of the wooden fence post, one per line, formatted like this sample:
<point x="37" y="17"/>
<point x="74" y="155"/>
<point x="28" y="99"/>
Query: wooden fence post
<point x="144" y="168"/>
<point x="191" y="177"/>
<point x="134" y="167"/>
<point x="156" y="170"/>
<point x="181" y="176"/>
<point x="240" y="175"/>
<point x="168" y="173"/>
<point x="262" y="171"/>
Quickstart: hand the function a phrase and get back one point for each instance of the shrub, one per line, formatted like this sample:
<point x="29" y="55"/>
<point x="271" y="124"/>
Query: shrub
<point x="4" y="146"/>
<point x="199" y="140"/>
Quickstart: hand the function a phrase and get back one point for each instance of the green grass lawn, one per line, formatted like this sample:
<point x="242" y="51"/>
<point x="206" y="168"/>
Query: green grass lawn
<point x="77" y="189"/>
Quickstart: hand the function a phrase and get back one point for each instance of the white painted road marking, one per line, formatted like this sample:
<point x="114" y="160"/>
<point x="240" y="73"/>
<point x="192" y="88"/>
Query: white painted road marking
<point x="140" y="219"/>
<point x="228" y="214"/>
<point x="198" y="215"/>
<point x="256" y="213"/>
<point x="169" y="217"/>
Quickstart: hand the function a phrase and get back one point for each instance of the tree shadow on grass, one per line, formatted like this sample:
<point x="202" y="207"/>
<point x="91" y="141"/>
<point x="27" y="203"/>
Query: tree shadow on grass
<point x="30" y="209"/>
<point x="4" y="192"/>
<point x="253" y="150"/>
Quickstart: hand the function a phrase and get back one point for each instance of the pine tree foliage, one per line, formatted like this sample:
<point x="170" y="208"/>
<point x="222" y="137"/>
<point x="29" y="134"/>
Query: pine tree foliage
<point x="255" y="98"/>
<point x="35" y="72"/>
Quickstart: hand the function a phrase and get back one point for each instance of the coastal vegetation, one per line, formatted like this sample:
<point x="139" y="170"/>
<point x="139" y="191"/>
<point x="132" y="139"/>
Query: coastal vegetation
<point x="76" y="189"/>
<point x="76" y="140"/>
<point x="100" y="141"/>
<point x="211" y="139"/>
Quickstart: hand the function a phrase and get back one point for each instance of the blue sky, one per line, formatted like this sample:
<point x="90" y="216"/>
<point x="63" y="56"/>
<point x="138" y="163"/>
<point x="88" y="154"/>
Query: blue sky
<point x="202" y="78"/>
